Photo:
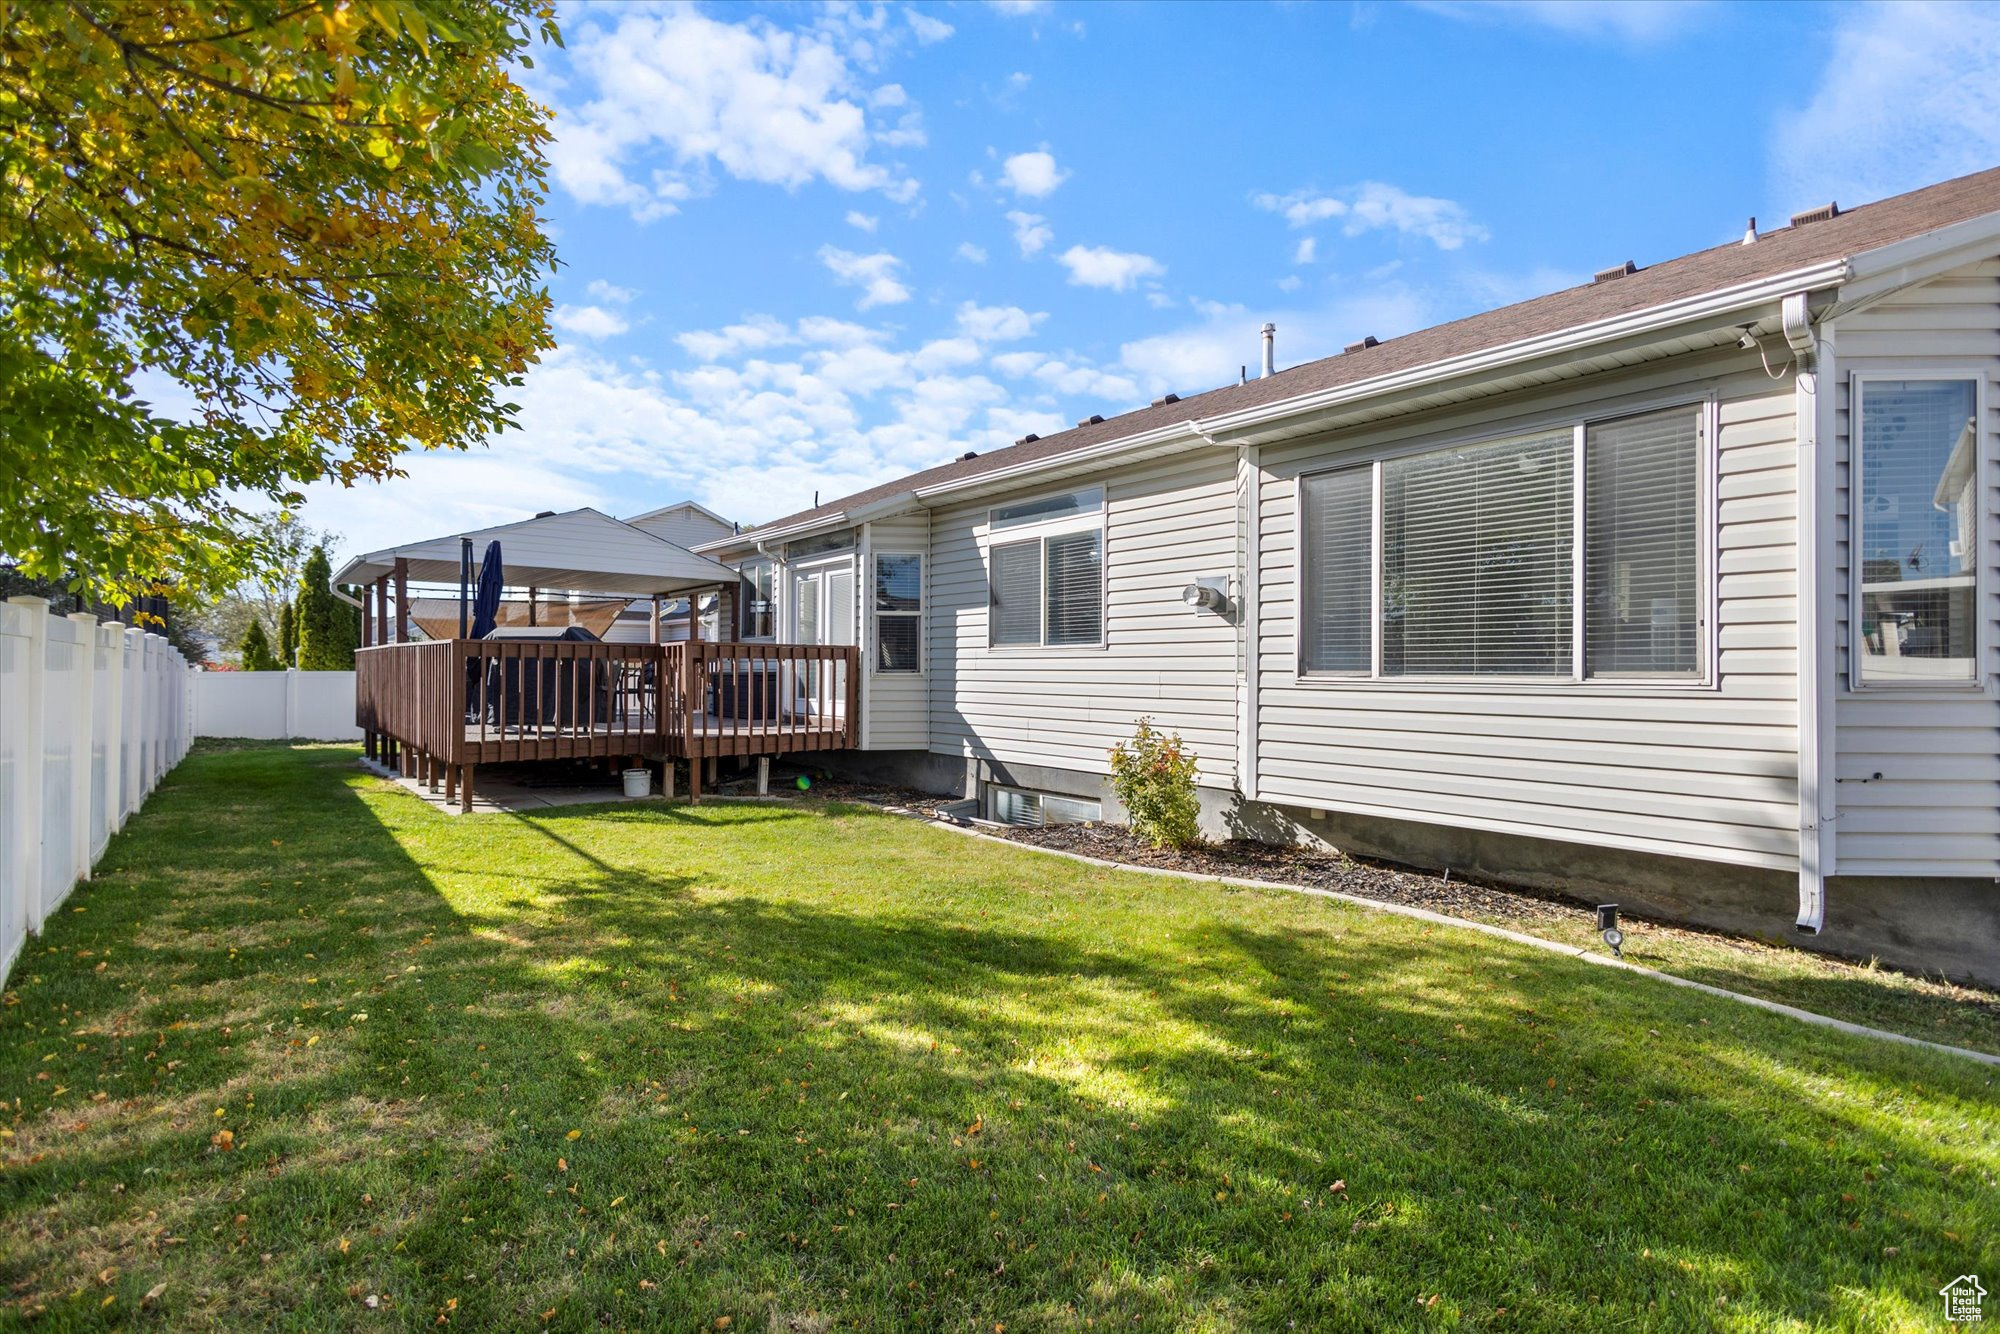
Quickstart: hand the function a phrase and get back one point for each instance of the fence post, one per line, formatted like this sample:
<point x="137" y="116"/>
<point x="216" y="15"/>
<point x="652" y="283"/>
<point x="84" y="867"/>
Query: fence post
<point x="291" y="703"/>
<point x="111" y="643"/>
<point x="83" y="729"/>
<point x="34" y="762"/>
<point x="134" y="731"/>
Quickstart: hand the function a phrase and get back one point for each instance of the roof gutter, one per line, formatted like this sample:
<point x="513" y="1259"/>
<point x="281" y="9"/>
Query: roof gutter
<point x="758" y="537"/>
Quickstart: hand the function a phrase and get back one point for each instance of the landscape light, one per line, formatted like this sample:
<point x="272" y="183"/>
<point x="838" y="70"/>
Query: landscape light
<point x="1607" y="927"/>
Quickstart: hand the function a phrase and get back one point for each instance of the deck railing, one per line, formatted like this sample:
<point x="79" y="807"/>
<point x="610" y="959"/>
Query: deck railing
<point x="447" y="705"/>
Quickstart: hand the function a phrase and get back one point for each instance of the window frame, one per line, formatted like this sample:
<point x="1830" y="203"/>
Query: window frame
<point x="875" y="614"/>
<point x="1980" y="681"/>
<point x="1706" y="403"/>
<point x="743" y="570"/>
<point x="1040" y="531"/>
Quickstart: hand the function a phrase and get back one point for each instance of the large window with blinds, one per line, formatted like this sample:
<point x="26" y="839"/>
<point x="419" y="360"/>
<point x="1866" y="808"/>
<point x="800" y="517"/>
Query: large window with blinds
<point x="1045" y="572"/>
<point x="1575" y="552"/>
<point x="1917" y="532"/>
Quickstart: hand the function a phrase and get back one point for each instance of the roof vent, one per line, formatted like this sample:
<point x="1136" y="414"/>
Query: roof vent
<point x="1028" y="439"/>
<point x="1370" y="341"/>
<point x="1092" y="420"/>
<point x="968" y="456"/>
<point x="1165" y="399"/>
<point x="1750" y="232"/>
<point x="1821" y="214"/>
<point x="1615" y="271"/>
<point x="546" y="514"/>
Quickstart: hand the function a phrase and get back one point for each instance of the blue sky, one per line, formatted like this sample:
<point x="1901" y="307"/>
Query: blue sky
<point x="809" y="247"/>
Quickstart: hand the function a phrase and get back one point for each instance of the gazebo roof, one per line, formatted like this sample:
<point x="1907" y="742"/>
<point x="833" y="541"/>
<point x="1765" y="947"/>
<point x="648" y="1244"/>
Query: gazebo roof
<point x="579" y="551"/>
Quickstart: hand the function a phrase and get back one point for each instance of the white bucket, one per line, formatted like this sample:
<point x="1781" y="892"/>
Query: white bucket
<point x="638" y="782"/>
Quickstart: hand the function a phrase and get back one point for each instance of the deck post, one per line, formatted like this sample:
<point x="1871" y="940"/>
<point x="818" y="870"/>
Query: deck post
<point x="450" y="783"/>
<point x="465" y="792"/>
<point x="694" y="780"/>
<point x="667" y="778"/>
<point x="763" y="775"/>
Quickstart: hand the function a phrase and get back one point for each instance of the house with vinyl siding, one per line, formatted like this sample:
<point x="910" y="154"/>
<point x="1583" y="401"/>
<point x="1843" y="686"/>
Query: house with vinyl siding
<point x="1680" y="588"/>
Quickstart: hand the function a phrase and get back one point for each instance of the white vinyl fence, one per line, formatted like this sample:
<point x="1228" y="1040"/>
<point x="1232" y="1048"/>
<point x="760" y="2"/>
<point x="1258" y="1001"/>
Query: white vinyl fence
<point x="91" y="716"/>
<point x="276" y="706"/>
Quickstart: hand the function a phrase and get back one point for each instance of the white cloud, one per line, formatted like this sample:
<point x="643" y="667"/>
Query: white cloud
<point x="755" y="333"/>
<point x="1020" y="8"/>
<point x="1033" y="175"/>
<point x="866" y="222"/>
<point x="970" y="253"/>
<point x="996" y="324"/>
<point x="589" y="321"/>
<point x="1910" y="94"/>
<point x="1290" y="283"/>
<point x="874" y="274"/>
<point x="673" y="95"/>
<point x="828" y="332"/>
<point x="1375" y="206"/>
<point x="605" y="291"/>
<point x="1633" y="21"/>
<point x="1308" y="250"/>
<point x="928" y="29"/>
<point x="943" y="354"/>
<point x="1100" y="266"/>
<point x="1030" y="233"/>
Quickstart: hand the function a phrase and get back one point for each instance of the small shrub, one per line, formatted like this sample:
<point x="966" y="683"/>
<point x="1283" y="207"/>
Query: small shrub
<point x="1153" y="775"/>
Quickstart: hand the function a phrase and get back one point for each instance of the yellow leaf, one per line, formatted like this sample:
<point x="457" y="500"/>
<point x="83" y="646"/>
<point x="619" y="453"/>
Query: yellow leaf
<point x="574" y="1134"/>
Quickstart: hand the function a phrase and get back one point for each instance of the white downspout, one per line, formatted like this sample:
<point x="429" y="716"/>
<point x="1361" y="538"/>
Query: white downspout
<point x="1813" y="360"/>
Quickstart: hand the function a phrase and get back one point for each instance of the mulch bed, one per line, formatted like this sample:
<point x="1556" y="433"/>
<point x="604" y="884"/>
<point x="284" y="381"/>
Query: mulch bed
<point x="1317" y="870"/>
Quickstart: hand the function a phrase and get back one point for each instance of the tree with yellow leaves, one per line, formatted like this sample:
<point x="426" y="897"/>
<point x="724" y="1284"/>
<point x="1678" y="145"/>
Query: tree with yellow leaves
<point x="310" y="226"/>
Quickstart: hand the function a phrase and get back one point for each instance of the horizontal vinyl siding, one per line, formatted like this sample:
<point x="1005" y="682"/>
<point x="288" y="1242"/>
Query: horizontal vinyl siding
<point x="1697" y="772"/>
<point x="898" y="703"/>
<point x="1166" y="522"/>
<point x="1918" y="790"/>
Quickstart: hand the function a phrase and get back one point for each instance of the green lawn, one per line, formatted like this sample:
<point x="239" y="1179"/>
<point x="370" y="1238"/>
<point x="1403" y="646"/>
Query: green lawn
<point x="305" y="1044"/>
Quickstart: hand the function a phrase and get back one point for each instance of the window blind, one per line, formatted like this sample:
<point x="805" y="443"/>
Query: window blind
<point x="1477" y="574"/>
<point x="1338" y="620"/>
<point x="899" y="587"/>
<point x="1642" y="533"/>
<point x="1016" y="593"/>
<point x="1919" y="539"/>
<point x="1076" y="588"/>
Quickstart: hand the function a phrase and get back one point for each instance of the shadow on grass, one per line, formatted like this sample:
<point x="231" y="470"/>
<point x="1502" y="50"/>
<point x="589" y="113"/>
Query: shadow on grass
<point x="646" y="1065"/>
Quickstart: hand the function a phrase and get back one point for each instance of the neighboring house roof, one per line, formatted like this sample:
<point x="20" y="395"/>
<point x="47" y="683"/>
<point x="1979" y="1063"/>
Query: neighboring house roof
<point x="687" y="506"/>
<point x="580" y="550"/>
<point x="1774" y="254"/>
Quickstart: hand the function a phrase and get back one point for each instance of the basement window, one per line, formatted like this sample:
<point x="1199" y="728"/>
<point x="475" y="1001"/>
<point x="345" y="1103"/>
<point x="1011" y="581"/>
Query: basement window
<point x="1016" y="806"/>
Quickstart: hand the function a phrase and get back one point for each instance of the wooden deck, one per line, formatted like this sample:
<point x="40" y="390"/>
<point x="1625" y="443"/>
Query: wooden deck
<point x="443" y="707"/>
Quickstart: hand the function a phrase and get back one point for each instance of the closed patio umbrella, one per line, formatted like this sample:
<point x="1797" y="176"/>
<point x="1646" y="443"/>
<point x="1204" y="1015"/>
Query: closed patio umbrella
<point x="485" y="615"/>
<point x="486" y="606"/>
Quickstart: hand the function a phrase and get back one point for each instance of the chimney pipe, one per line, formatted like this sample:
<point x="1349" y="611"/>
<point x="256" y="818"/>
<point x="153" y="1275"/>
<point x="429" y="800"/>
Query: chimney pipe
<point x="1270" y="349"/>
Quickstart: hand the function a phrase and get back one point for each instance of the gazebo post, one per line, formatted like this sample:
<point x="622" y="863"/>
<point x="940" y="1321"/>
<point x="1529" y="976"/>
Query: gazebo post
<point x="406" y="761"/>
<point x="368" y="639"/>
<point x="531" y="606"/>
<point x="385" y="745"/>
<point x="656" y="618"/>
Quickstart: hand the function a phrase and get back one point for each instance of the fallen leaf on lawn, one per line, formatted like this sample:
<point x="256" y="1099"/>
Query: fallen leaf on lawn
<point x="977" y="1126"/>
<point x="562" y="1164"/>
<point x="1336" y="1188"/>
<point x="223" y="1139"/>
<point x="620" y="1200"/>
<point x="344" y="1244"/>
<point x="574" y="1134"/>
<point x="152" y="1294"/>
